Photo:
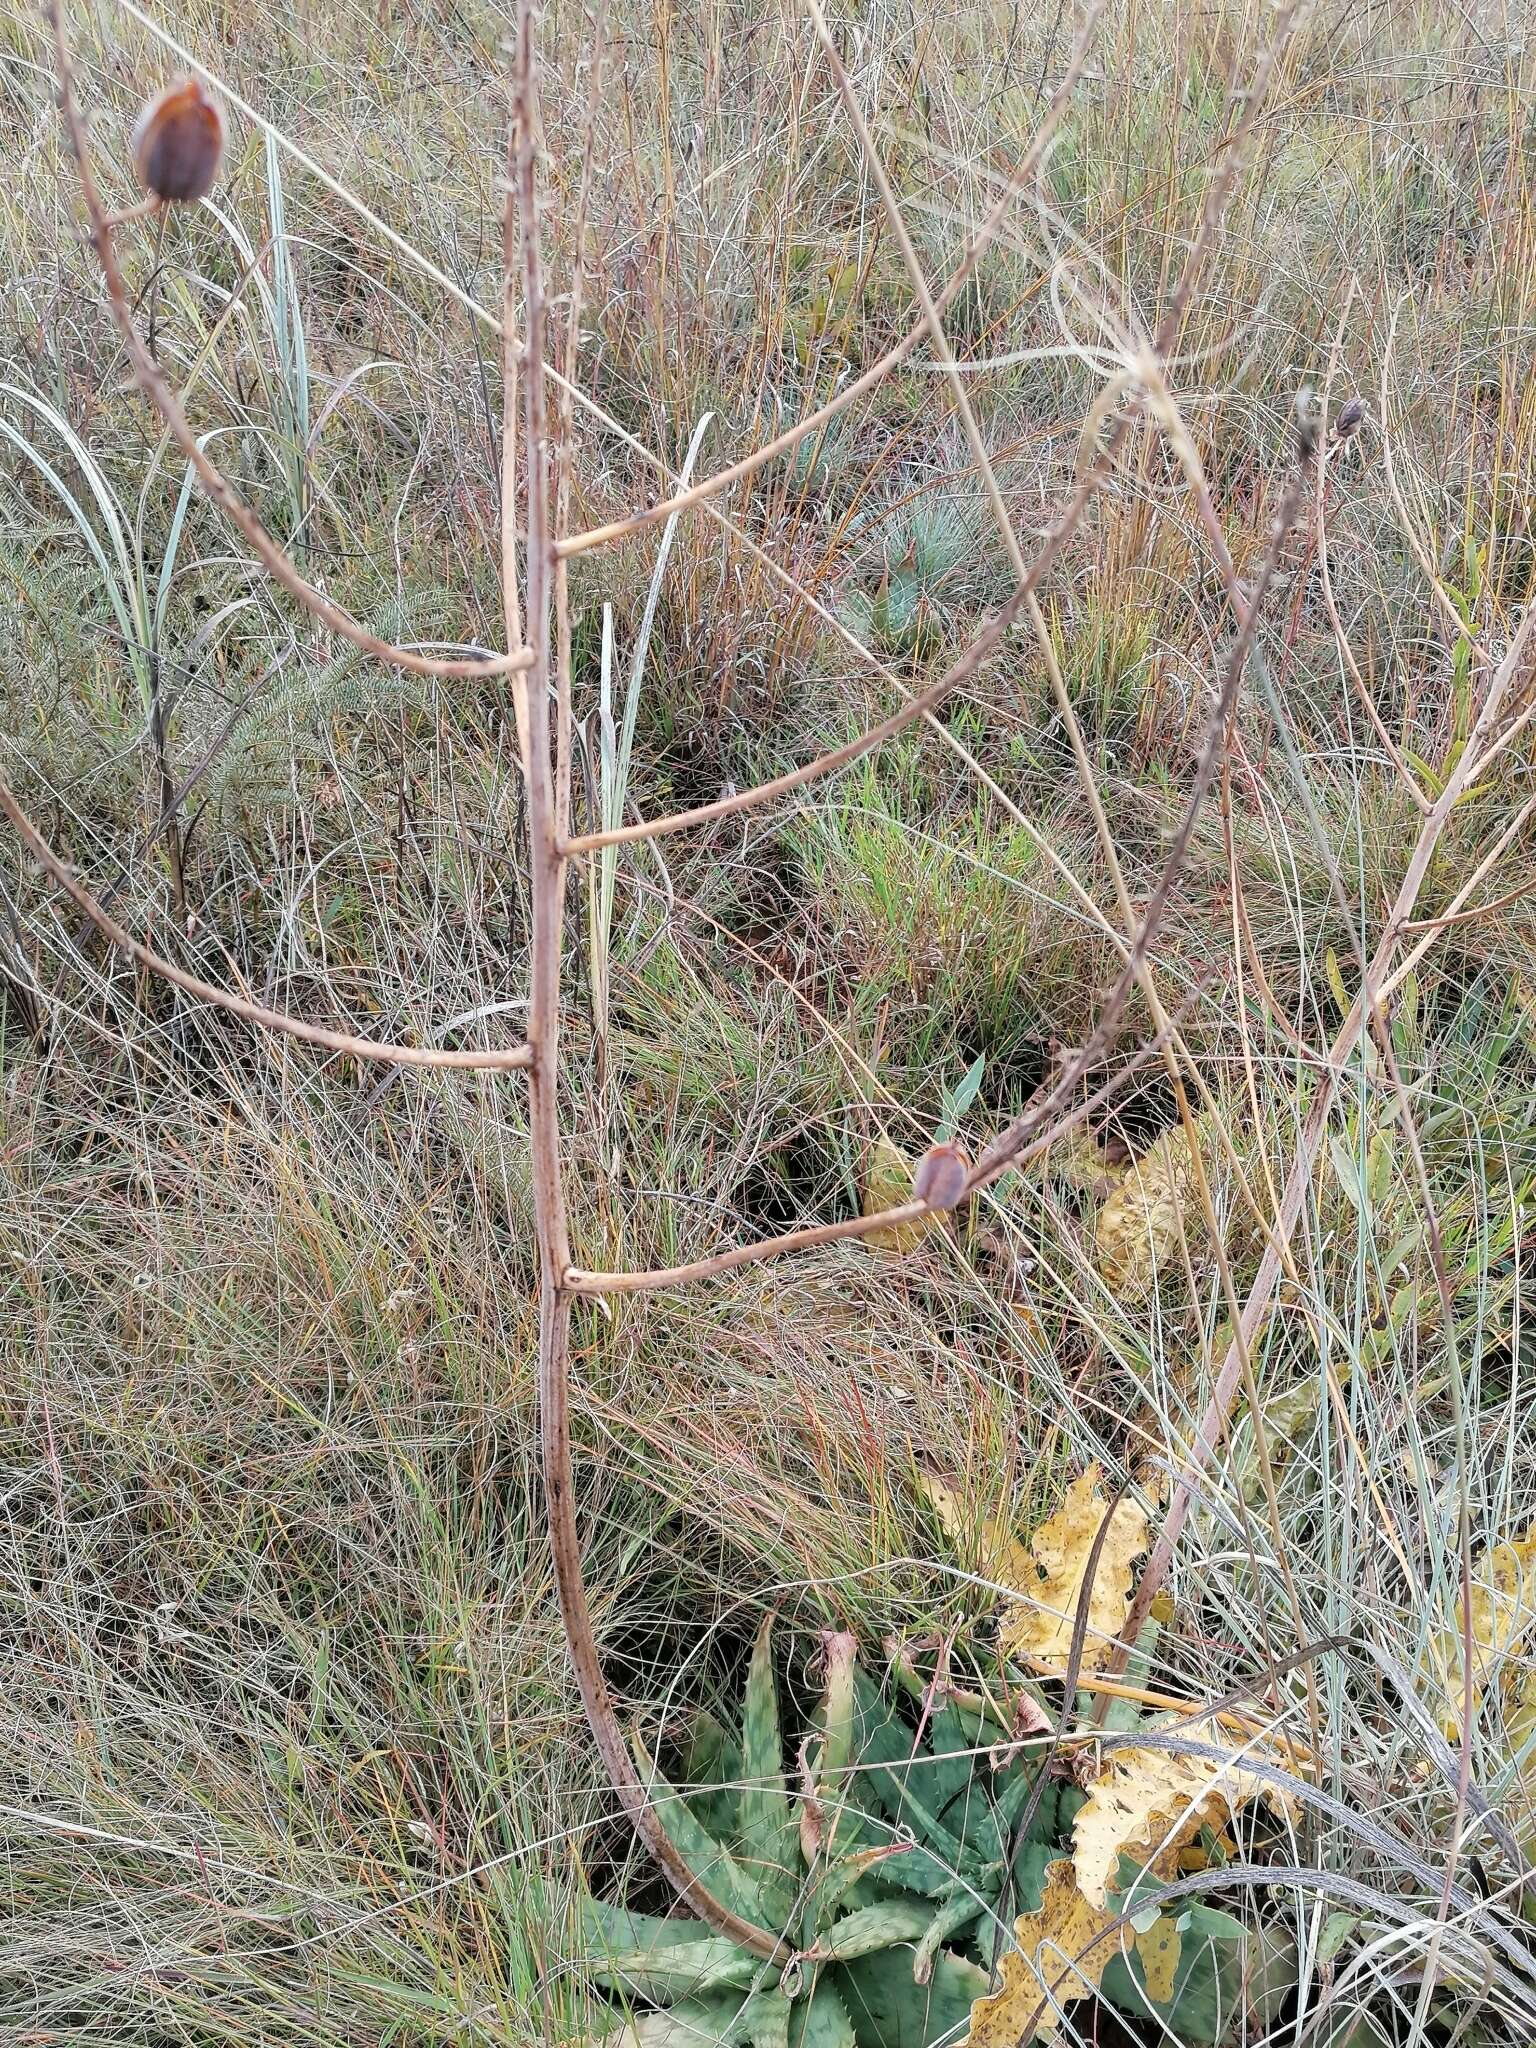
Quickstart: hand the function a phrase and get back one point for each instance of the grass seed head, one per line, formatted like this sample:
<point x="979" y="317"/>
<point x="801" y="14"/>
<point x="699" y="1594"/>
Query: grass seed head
<point x="178" y="142"/>
<point x="1350" y="420"/>
<point x="940" y="1176"/>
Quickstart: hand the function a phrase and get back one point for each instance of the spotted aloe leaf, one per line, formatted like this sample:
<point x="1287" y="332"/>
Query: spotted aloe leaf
<point x="608" y="1928"/>
<point x="893" y="1775"/>
<point x="665" y="1960"/>
<point x="950" y="1776"/>
<point x="886" y="2006"/>
<point x="731" y="1882"/>
<point x="951" y="1920"/>
<point x="691" y="2023"/>
<point x="713" y="1767"/>
<point x="826" y="2023"/>
<point x="1045" y="1822"/>
<point x="872" y="1927"/>
<point x="768" y="1839"/>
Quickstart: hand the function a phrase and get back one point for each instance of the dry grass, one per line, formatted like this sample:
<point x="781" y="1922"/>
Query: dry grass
<point x="292" y="1755"/>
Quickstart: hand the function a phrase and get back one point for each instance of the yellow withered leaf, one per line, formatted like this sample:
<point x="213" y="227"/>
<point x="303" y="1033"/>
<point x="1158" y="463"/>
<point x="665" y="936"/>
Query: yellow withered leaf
<point x="887" y="1184"/>
<point x="1077" y="1162"/>
<point x="1520" y="1740"/>
<point x="1040" y="1627"/>
<point x="1140" y="1225"/>
<point x="1061" y="1955"/>
<point x="987" y="1547"/>
<point x="1503" y="1608"/>
<point x="1147" y="1803"/>
<point x="1160" y="1950"/>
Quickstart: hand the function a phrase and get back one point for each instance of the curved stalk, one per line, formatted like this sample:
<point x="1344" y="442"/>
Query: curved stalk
<point x="547" y="891"/>
<point x="151" y="381"/>
<point x="254" y="1013"/>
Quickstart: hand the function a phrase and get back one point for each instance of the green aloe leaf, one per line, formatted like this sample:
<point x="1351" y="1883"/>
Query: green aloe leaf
<point x="914" y="1870"/>
<point x="768" y="1839"/>
<point x="767" y="2020"/>
<point x="951" y="1919"/>
<point x="1126" y="1714"/>
<point x="711" y="1863"/>
<point x="847" y="1883"/>
<point x="824" y="2021"/>
<point x="957" y="1789"/>
<point x="871" y="1928"/>
<point x="981" y="1832"/>
<point x="1045" y="1824"/>
<point x="606" y="1928"/>
<point x="954" y="1764"/>
<point x="691" y="2023"/>
<point x="1029" y="1868"/>
<point x="682" y="1971"/>
<point x="887" y="2007"/>
<point x="905" y="1809"/>
<point x="888" y="1770"/>
<point x="713" y="1768"/>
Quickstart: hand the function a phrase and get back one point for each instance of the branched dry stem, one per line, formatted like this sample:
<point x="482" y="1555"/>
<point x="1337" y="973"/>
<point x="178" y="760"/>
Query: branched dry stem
<point x="1378" y="981"/>
<point x="547" y="893"/>
<point x="538" y="667"/>
<point x="238" y="1006"/>
<point x="147" y="373"/>
<point x="870" y="379"/>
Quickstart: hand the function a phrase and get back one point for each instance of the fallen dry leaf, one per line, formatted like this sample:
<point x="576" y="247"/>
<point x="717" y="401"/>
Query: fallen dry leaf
<point x="987" y="1547"/>
<point x="887" y="1184"/>
<point x="1062" y="1953"/>
<point x="1161" y="1949"/>
<point x="1075" y="1161"/>
<point x="1147" y="1803"/>
<point x="1141" y="1224"/>
<point x="1520" y="1737"/>
<point x="1040" y="1628"/>
<point x="1503" y="1614"/>
<point x="1057" y="1961"/>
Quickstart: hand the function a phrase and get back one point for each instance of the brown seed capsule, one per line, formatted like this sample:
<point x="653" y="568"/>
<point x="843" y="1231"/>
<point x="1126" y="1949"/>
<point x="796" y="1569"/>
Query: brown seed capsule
<point x="178" y="142"/>
<point x="940" y="1177"/>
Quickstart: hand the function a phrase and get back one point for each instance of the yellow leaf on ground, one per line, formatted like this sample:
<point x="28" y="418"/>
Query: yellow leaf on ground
<point x="1141" y="1224"/>
<point x="1147" y="1803"/>
<point x="1061" y="1955"/>
<point x="986" y="1546"/>
<point x="1060" y="1958"/>
<point x="1040" y="1628"/>
<point x="1160" y="1950"/>
<point x="1077" y="1162"/>
<point x="1503" y="1614"/>
<point x="1520" y="1736"/>
<point x="887" y="1184"/>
